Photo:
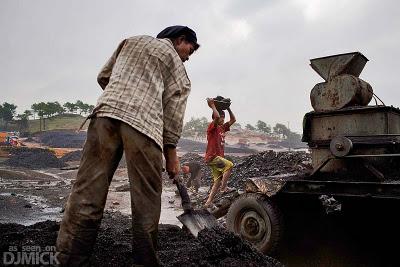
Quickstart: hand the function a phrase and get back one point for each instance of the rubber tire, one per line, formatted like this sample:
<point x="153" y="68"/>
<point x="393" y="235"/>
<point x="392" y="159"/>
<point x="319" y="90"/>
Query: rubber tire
<point x="267" y="210"/>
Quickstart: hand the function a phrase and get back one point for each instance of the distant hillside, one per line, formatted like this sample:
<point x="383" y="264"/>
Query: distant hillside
<point x="65" y="121"/>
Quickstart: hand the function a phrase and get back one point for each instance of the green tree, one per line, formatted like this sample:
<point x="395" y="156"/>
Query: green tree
<point x="86" y="108"/>
<point x="70" y="107"/>
<point x="49" y="109"/>
<point x="22" y="122"/>
<point x="53" y="108"/>
<point x="27" y="113"/>
<point x="58" y="108"/>
<point x="263" y="127"/>
<point x="90" y="108"/>
<point x="81" y="106"/>
<point x="281" y="129"/>
<point x="195" y="127"/>
<point x="41" y="110"/>
<point x="250" y="127"/>
<point x="35" y="109"/>
<point x="7" y="113"/>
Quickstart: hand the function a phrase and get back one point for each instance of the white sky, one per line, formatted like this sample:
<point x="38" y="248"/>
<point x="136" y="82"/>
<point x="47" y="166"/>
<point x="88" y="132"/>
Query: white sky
<point x="255" y="52"/>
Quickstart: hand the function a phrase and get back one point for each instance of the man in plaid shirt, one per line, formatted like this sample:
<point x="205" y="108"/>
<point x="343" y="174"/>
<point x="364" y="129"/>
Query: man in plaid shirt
<point x="140" y="113"/>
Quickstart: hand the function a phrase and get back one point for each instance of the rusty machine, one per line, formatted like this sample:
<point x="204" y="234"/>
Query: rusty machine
<point x="355" y="150"/>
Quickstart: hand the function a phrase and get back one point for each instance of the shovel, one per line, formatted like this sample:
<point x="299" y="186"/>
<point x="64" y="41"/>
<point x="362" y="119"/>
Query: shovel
<point x="193" y="220"/>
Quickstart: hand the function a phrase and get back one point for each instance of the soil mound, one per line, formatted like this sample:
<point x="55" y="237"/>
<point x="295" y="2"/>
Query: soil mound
<point x="62" y="139"/>
<point x="269" y="163"/>
<point x="213" y="247"/>
<point x="33" y="158"/>
<point x="30" y="139"/>
<point x="260" y="164"/>
<point x="72" y="156"/>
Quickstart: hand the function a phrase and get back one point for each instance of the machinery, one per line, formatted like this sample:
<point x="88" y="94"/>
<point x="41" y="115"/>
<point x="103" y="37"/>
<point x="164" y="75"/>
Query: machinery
<point x="9" y="139"/>
<point x="355" y="151"/>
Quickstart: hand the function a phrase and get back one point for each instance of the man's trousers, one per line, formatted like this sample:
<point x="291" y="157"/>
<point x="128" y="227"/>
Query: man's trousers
<point x="107" y="139"/>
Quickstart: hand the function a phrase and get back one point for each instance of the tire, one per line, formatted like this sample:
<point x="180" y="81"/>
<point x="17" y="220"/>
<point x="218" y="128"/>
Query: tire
<point x="257" y="219"/>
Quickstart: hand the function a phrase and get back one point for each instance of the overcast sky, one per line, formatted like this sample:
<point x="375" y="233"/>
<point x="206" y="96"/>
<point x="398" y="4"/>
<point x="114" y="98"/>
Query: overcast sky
<point x="255" y="52"/>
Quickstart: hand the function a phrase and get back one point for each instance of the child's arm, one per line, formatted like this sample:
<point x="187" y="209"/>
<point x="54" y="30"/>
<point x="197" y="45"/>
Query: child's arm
<point x="211" y="104"/>
<point x="232" y="118"/>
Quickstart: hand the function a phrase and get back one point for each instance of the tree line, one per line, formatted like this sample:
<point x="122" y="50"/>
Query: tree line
<point x="197" y="127"/>
<point x="41" y="110"/>
<point x="279" y="129"/>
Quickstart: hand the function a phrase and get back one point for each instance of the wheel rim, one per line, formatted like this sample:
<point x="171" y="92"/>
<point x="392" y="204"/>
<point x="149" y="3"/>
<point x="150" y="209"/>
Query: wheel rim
<point x="254" y="227"/>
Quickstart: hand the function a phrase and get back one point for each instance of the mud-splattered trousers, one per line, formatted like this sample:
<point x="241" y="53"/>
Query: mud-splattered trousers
<point x="107" y="139"/>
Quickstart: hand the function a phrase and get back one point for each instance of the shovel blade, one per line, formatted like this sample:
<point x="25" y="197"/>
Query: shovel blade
<point x="197" y="220"/>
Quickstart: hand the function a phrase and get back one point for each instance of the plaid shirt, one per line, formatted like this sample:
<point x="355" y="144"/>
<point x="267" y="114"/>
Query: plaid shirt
<point x="146" y="86"/>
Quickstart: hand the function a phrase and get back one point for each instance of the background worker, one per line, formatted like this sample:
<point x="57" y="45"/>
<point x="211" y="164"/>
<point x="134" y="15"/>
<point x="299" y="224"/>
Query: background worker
<point x="140" y="113"/>
<point x="192" y="174"/>
<point x="221" y="168"/>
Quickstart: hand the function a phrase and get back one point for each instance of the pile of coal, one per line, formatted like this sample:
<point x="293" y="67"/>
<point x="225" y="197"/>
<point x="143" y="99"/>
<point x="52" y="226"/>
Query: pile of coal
<point x="213" y="247"/>
<point x="33" y="158"/>
<point x="62" y="139"/>
<point x="260" y="164"/>
<point x="191" y="146"/>
<point x="30" y="139"/>
<point x="269" y="163"/>
<point x="72" y="156"/>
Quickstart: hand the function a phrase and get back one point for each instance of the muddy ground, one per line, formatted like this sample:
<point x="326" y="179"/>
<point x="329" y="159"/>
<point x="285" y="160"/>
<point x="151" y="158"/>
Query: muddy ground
<point x="29" y="197"/>
<point x="362" y="234"/>
<point x="213" y="247"/>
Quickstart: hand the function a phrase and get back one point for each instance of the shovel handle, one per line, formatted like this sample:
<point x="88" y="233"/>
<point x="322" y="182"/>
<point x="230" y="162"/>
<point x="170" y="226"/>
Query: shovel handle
<point x="186" y="205"/>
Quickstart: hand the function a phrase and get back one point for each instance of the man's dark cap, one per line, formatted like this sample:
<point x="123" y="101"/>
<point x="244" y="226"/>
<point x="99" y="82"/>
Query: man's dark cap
<point x="178" y="30"/>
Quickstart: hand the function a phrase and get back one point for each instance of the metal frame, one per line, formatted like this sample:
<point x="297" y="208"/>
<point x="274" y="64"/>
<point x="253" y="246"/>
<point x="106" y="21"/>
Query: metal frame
<point x="343" y="188"/>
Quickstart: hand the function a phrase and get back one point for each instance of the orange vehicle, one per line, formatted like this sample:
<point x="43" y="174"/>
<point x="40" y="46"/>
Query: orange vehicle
<point x="3" y="137"/>
<point x="9" y="138"/>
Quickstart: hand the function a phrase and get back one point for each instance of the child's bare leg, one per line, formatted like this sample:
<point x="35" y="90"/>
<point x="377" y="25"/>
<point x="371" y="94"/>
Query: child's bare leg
<point x="225" y="178"/>
<point x="213" y="192"/>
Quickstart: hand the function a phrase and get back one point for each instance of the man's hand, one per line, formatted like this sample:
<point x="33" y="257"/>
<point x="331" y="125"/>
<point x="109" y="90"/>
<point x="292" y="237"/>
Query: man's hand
<point x="171" y="162"/>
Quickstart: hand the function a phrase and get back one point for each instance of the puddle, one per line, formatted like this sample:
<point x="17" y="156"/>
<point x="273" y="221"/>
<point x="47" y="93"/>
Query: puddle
<point x="26" y="209"/>
<point x="57" y="176"/>
<point x="170" y="205"/>
<point x="30" y="209"/>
